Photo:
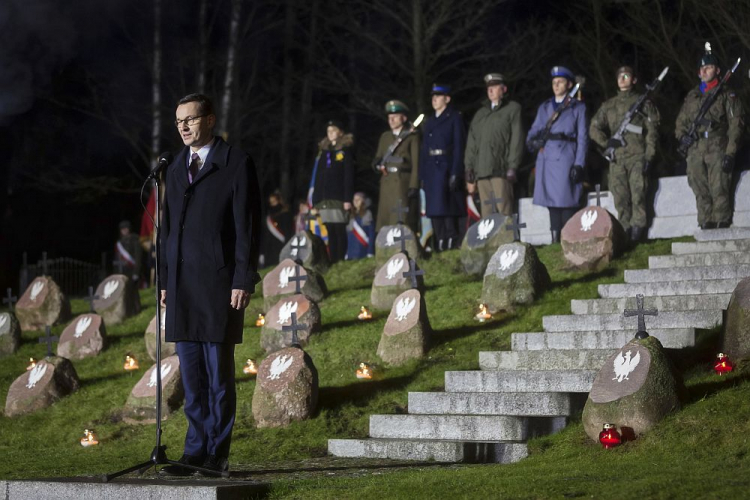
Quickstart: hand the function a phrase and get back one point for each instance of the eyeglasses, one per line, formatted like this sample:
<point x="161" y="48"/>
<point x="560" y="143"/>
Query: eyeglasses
<point x="190" y="120"/>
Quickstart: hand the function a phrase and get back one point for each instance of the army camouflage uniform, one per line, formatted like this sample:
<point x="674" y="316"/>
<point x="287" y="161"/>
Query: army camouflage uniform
<point x="718" y="137"/>
<point x="627" y="180"/>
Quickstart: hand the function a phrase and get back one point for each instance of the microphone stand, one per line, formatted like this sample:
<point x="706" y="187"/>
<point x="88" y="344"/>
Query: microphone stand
<point x="159" y="453"/>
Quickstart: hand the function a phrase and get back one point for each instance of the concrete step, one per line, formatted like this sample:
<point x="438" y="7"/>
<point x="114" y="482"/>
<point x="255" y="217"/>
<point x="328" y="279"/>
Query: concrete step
<point x="687" y="273"/>
<point x="663" y="304"/>
<point x="89" y="488"/>
<point x="520" y="381"/>
<point x="521" y="404"/>
<point x="585" y="359"/>
<point x="667" y="319"/>
<point x="702" y="287"/>
<point x="682" y="248"/>
<point x="671" y="338"/>
<point x="429" y="450"/>
<point x="698" y="259"/>
<point x="450" y="427"/>
<point x="730" y="233"/>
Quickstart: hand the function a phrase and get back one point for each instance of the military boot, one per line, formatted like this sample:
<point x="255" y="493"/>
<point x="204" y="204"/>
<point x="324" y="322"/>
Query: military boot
<point x="637" y="233"/>
<point x="555" y="236"/>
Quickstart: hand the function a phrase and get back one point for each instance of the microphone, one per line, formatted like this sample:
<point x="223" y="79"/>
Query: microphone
<point x="164" y="160"/>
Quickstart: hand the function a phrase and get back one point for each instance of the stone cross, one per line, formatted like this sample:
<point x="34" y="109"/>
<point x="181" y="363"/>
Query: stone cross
<point x="294" y="327"/>
<point x="412" y="273"/>
<point x="119" y="264"/>
<point x="298" y="279"/>
<point x="403" y="238"/>
<point x="44" y="263"/>
<point x="641" y="313"/>
<point x="49" y="338"/>
<point x="9" y="298"/>
<point x="516" y="228"/>
<point x="400" y="210"/>
<point x="91" y="298"/>
<point x="598" y="195"/>
<point x="493" y="202"/>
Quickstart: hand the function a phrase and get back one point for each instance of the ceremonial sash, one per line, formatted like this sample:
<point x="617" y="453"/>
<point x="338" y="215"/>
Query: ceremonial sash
<point x="125" y="254"/>
<point x="471" y="209"/>
<point x="360" y="234"/>
<point x="271" y="225"/>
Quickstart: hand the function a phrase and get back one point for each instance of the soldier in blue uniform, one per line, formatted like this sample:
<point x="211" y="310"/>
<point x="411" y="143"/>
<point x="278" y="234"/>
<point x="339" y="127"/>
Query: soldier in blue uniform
<point x="441" y="168"/>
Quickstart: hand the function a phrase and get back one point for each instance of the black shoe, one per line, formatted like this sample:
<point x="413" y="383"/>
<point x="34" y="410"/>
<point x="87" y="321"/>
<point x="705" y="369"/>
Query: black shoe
<point x="722" y="225"/>
<point x="708" y="225"/>
<point x="179" y="470"/>
<point x="555" y="236"/>
<point x="636" y="233"/>
<point x="219" y="465"/>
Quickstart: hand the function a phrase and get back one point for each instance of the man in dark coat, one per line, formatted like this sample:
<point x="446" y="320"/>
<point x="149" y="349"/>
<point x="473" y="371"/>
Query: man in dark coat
<point x="441" y="168"/>
<point x="209" y="244"/>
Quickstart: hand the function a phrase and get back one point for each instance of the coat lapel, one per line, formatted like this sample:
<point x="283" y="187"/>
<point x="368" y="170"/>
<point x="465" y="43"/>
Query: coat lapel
<point x="217" y="158"/>
<point x="179" y="168"/>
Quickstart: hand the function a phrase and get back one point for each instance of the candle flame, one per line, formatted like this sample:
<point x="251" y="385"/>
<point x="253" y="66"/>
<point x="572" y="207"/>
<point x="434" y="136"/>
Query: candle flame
<point x="364" y="314"/>
<point x="32" y="364"/>
<point x="364" y="371"/>
<point x="88" y="439"/>
<point x="483" y="314"/>
<point x="250" y="368"/>
<point x="260" y="321"/>
<point x="130" y="363"/>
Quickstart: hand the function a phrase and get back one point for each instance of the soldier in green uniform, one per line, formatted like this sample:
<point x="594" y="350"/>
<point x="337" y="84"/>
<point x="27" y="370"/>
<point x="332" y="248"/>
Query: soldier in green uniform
<point x="628" y="172"/>
<point x="399" y="167"/>
<point x="494" y="148"/>
<point x="710" y="159"/>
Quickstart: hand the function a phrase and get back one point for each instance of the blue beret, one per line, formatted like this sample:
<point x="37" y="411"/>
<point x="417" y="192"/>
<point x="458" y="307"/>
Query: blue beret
<point x="439" y="88"/>
<point x="563" y="72"/>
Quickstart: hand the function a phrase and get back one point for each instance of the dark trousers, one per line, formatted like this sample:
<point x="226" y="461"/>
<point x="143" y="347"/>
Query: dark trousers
<point x="558" y="216"/>
<point x="207" y="370"/>
<point x="336" y="240"/>
<point x="445" y="229"/>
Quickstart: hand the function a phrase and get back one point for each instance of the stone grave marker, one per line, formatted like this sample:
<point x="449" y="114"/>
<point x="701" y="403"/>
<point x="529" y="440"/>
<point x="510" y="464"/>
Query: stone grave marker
<point x="167" y="348"/>
<point x="272" y="334"/>
<point x="84" y="337"/>
<point x="514" y="275"/>
<point x="592" y="237"/>
<point x="42" y="304"/>
<point x="407" y="331"/>
<point x="390" y="282"/>
<point x="50" y="380"/>
<point x="482" y="240"/>
<point x="140" y="407"/>
<point x="289" y="278"/>
<point x="10" y="334"/>
<point x="117" y="300"/>
<point x="736" y="340"/>
<point x="307" y="249"/>
<point x="286" y="389"/>
<point x="390" y="241"/>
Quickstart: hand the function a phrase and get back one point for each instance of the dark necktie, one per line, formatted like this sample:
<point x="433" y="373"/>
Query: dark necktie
<point x="194" y="165"/>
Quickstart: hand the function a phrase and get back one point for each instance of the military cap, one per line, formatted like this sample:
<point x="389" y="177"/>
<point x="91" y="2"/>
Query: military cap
<point x="125" y="225"/>
<point x="563" y="72"/>
<point x="625" y="69"/>
<point x="440" y="89"/>
<point x="396" y="107"/>
<point x="493" y="79"/>
<point x="335" y="123"/>
<point x="709" y="58"/>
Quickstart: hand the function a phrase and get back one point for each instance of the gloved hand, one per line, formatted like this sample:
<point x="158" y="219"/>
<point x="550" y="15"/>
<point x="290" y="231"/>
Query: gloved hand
<point x="614" y="143"/>
<point x="576" y="174"/>
<point x="727" y="164"/>
<point x="646" y="167"/>
<point x="454" y="184"/>
<point x="412" y="193"/>
<point x="510" y="175"/>
<point x="686" y="141"/>
<point x="535" y="144"/>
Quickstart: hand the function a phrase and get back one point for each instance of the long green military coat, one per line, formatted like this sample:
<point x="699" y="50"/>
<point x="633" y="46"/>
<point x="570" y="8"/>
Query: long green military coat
<point x="395" y="185"/>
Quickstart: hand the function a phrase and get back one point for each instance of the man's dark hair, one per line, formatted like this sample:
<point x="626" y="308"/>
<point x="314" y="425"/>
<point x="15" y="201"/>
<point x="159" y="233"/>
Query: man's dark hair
<point x="204" y="103"/>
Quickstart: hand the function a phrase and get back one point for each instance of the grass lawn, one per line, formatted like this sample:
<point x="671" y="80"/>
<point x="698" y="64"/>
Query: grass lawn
<point x="698" y="452"/>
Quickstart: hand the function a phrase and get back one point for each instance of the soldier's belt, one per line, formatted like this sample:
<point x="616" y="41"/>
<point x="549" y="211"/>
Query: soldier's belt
<point x="712" y="133"/>
<point x="393" y="170"/>
<point x="634" y="129"/>
<point x="561" y="137"/>
<point x="438" y="152"/>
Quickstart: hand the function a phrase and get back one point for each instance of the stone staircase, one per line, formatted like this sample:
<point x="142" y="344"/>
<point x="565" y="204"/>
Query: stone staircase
<point x="488" y="415"/>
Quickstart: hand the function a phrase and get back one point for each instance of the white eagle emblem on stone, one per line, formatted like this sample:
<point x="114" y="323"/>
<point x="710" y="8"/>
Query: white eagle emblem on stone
<point x="109" y="288"/>
<point x="394" y="267"/>
<point x="404" y="307"/>
<point x="285" y="312"/>
<point x="3" y="320"/>
<point x="485" y="228"/>
<point x="82" y="326"/>
<point x="587" y="219"/>
<point x="36" y="289"/>
<point x="36" y="374"/>
<point x="393" y="234"/>
<point x="284" y="276"/>
<point x="165" y="369"/>
<point x="298" y="242"/>
<point x="507" y="258"/>
<point x="623" y="366"/>
<point x="279" y="366"/>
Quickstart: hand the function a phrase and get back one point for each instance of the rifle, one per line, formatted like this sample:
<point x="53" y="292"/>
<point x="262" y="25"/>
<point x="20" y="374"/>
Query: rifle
<point x="377" y="163"/>
<point x="691" y="136"/>
<point x="609" y="153"/>
<point x="538" y="142"/>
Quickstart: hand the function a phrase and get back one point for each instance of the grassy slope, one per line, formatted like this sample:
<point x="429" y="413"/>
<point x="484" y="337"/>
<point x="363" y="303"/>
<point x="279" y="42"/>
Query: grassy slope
<point x="701" y="437"/>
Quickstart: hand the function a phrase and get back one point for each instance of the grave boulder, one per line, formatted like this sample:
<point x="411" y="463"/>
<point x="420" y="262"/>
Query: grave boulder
<point x="736" y="340"/>
<point x="42" y="304"/>
<point x="84" y="337"/>
<point x="272" y="335"/>
<point x="309" y="250"/>
<point x="592" y="238"/>
<point x="514" y="275"/>
<point x="10" y="334"/>
<point x="140" y="407"/>
<point x="167" y="348"/>
<point x="49" y="381"/>
<point x="388" y="244"/>
<point x="280" y="282"/>
<point x="117" y="299"/>
<point x="390" y="282"/>
<point x="481" y="242"/>
<point x="407" y="331"/>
